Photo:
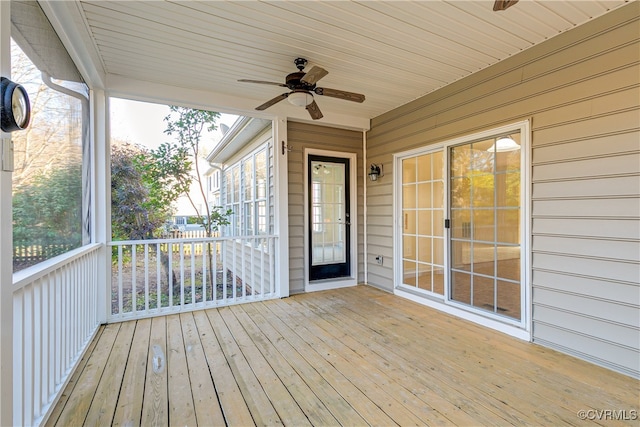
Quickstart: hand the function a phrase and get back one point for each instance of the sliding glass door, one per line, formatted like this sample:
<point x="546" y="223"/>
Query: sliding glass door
<point x="460" y="224"/>
<point x="485" y="246"/>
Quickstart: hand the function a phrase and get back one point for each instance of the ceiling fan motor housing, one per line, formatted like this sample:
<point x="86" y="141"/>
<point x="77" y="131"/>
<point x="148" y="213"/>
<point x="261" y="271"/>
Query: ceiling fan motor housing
<point x="293" y="82"/>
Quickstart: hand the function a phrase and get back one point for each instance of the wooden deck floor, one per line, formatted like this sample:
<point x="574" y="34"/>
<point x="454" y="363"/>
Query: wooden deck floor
<point x="350" y="357"/>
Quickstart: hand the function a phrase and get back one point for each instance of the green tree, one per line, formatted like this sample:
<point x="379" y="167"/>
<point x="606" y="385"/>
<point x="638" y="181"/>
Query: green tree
<point x="47" y="212"/>
<point x="179" y="162"/>
<point x="135" y="213"/>
<point x="176" y="168"/>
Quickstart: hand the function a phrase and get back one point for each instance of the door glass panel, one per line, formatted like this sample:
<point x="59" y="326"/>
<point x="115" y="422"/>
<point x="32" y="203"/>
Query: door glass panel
<point x="327" y="208"/>
<point x="422" y="227"/>
<point x="485" y="226"/>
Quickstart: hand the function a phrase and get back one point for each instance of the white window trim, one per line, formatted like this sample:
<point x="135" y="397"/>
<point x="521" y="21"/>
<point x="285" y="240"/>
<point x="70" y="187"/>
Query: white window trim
<point x="520" y="329"/>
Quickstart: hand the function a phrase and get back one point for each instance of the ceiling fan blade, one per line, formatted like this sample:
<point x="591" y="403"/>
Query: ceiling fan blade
<point x="262" y="82"/>
<point x="314" y="111"/>
<point x="503" y="4"/>
<point x="270" y="102"/>
<point x="342" y="94"/>
<point x="314" y="74"/>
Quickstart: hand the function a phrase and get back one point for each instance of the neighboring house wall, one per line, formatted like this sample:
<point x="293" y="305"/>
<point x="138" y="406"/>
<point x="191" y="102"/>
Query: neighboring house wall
<point x="580" y="90"/>
<point x="301" y="136"/>
<point x="246" y="259"/>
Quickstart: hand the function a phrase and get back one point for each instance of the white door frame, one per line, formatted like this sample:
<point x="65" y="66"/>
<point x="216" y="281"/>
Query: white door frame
<point x="341" y="282"/>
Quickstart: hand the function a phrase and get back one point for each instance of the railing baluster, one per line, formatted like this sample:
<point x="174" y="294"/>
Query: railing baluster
<point x="134" y="284"/>
<point x="146" y="277"/>
<point x="262" y="246"/>
<point x="272" y="270"/>
<point x="193" y="274"/>
<point x="223" y="252"/>
<point x="205" y="259"/>
<point x="158" y="276"/>
<point x="18" y="357"/>
<point x="170" y="275"/>
<point x="234" y="273"/>
<point x="243" y="267"/>
<point x="181" y="247"/>
<point x="119" y="279"/>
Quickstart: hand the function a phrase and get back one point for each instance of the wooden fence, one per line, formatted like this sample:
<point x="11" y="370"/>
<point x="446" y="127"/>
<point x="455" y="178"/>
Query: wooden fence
<point x="32" y="252"/>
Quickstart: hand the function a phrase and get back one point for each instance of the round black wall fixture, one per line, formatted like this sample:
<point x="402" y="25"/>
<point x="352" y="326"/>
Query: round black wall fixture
<point x="15" y="109"/>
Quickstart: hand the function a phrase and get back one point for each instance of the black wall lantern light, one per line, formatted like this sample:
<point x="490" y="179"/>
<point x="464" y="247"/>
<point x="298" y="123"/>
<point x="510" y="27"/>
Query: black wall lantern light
<point x="375" y="172"/>
<point x="15" y="109"/>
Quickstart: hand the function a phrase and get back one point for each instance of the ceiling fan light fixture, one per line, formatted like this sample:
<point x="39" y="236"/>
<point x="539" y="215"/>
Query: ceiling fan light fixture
<point x="300" y="99"/>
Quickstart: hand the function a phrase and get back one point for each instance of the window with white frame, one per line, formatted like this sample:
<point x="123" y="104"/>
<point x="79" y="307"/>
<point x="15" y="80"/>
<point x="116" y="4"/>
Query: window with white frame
<point x="246" y="189"/>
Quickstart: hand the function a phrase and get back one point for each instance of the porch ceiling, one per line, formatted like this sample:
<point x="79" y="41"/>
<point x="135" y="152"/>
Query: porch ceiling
<point x="393" y="52"/>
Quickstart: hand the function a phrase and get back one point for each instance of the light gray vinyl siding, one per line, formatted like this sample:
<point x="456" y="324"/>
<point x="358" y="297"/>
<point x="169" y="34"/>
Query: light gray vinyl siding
<point x="581" y="93"/>
<point x="299" y="137"/>
<point x="251" y="265"/>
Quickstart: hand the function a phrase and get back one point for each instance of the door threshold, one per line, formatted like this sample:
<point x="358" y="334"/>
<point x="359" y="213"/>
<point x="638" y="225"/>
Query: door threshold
<point x="333" y="283"/>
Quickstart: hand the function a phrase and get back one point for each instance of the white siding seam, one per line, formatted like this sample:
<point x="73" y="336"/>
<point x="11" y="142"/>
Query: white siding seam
<point x="587" y="257"/>
<point x="592" y="157"/>
<point x="585" y="356"/>
<point x="582" y="236"/>
<point x="599" y="217"/>
<point x="585" y="177"/>
<point x="586" y="118"/>
<point x="569" y="198"/>
<point x="590" y="137"/>
<point x="591" y="337"/>
<point x="599" y="278"/>
<point x="594" y="298"/>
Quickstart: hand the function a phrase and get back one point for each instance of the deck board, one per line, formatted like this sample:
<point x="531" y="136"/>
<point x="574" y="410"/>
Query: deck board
<point x="205" y="401"/>
<point x="234" y="408"/>
<point x="129" y="403"/>
<point x="155" y="411"/>
<point x="103" y="406"/>
<point x="355" y="356"/>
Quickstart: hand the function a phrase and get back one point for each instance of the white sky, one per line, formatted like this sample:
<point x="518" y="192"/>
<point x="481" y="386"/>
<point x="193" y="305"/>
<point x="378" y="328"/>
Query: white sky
<point x="143" y="123"/>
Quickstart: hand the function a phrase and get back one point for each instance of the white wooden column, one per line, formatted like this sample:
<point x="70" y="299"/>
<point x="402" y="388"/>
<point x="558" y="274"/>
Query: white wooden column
<point x="281" y="226"/>
<point x="101" y="196"/>
<point x="6" y="243"/>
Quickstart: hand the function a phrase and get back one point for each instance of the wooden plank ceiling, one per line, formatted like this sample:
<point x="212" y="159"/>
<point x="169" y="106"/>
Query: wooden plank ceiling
<point x="391" y="51"/>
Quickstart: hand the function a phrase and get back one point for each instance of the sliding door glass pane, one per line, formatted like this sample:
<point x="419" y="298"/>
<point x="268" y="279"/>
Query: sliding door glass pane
<point x="485" y="226"/>
<point x="422" y="222"/>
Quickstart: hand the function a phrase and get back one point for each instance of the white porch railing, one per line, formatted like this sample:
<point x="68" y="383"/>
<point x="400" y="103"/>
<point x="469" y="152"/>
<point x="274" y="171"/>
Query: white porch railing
<point x="157" y="277"/>
<point x="55" y="312"/>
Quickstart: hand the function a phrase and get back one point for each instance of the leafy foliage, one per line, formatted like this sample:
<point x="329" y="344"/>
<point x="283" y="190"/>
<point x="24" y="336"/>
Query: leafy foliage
<point x="188" y="125"/>
<point x="48" y="210"/>
<point x="135" y="214"/>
